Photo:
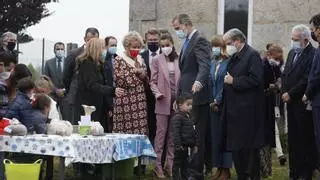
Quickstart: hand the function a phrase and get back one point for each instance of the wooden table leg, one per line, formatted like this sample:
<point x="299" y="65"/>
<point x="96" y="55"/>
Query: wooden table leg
<point x="61" y="168"/>
<point x="2" y="174"/>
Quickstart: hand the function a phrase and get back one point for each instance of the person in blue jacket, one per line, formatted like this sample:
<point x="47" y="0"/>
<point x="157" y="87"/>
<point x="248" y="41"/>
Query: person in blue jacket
<point x="21" y="108"/>
<point x="222" y="159"/>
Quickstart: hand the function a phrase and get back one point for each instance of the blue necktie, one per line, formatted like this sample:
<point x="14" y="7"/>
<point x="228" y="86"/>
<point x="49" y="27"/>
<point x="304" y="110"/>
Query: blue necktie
<point x="185" y="44"/>
<point x="296" y="57"/>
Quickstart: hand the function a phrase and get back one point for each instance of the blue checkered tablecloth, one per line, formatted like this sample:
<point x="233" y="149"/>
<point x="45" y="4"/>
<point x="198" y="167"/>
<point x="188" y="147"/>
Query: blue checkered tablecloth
<point x="84" y="149"/>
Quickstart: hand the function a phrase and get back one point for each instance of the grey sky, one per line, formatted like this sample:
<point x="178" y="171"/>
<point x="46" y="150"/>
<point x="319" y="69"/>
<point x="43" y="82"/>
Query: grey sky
<point x="69" y="21"/>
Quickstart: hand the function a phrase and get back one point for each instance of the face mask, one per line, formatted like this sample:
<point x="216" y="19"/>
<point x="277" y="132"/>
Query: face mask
<point x="216" y="51"/>
<point x="153" y="46"/>
<point x="60" y="54"/>
<point x="273" y="62"/>
<point x="189" y="108"/>
<point x="112" y="50"/>
<point x="103" y="54"/>
<point x="231" y="50"/>
<point x="134" y="53"/>
<point x="11" y="46"/>
<point x="314" y="37"/>
<point x="296" y="45"/>
<point x="166" y="50"/>
<point x="180" y="34"/>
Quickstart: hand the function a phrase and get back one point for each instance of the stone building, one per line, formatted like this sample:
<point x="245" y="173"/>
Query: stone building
<point x="263" y="21"/>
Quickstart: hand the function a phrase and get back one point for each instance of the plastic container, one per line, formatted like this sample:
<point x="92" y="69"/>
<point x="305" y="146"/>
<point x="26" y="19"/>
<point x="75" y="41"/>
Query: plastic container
<point x="84" y="130"/>
<point x="17" y="171"/>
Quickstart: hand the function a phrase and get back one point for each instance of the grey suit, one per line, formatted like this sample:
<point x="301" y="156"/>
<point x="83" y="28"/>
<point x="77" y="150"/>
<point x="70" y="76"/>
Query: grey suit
<point x="51" y="70"/>
<point x="194" y="63"/>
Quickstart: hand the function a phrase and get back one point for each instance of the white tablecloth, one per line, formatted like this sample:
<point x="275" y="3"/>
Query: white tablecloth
<point x="85" y="149"/>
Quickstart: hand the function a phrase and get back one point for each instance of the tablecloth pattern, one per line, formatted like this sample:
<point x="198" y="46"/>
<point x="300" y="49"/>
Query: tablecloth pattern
<point x="85" y="149"/>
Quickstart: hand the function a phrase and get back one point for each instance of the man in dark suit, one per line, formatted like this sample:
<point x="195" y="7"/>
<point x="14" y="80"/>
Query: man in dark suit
<point x="54" y="69"/>
<point x="242" y="109"/>
<point x="152" y="37"/>
<point x="300" y="126"/>
<point x="194" y="63"/>
<point x="111" y="47"/>
<point x="69" y="74"/>
<point x="313" y="89"/>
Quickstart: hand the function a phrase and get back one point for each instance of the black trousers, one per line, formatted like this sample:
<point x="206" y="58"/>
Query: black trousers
<point x="152" y="123"/>
<point x="200" y="115"/>
<point x="180" y="165"/>
<point x="301" y="141"/>
<point x="247" y="164"/>
<point x="209" y="148"/>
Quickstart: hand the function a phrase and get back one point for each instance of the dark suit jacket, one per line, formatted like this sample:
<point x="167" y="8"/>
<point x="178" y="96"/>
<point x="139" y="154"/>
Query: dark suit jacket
<point x="295" y="77"/>
<point x="243" y="101"/>
<point x="70" y="67"/>
<point x="145" y="56"/>
<point x="50" y="69"/>
<point x="313" y="89"/>
<point x="108" y="75"/>
<point x="194" y="66"/>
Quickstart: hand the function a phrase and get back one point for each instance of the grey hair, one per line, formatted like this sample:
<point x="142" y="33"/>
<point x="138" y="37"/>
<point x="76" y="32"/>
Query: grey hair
<point x="131" y="36"/>
<point x="183" y="19"/>
<point x="234" y="34"/>
<point x="8" y="35"/>
<point x="304" y="31"/>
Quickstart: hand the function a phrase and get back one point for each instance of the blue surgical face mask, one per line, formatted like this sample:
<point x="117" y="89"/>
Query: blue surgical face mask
<point x="296" y="45"/>
<point x="112" y="50"/>
<point x="103" y="54"/>
<point x="216" y="51"/>
<point x="180" y="34"/>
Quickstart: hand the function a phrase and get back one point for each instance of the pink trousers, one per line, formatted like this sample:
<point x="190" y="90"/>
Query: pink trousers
<point x="164" y="136"/>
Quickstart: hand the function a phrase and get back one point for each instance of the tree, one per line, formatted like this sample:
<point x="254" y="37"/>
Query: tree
<point x="17" y="15"/>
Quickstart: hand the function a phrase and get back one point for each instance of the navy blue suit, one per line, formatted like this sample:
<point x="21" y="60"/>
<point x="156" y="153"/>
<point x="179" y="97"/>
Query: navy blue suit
<point x="301" y="141"/>
<point x="313" y="94"/>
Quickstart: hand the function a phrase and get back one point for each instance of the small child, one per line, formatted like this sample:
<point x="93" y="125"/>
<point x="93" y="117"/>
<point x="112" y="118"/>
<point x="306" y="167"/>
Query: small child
<point x="183" y="132"/>
<point x="44" y="85"/>
<point x="21" y="108"/>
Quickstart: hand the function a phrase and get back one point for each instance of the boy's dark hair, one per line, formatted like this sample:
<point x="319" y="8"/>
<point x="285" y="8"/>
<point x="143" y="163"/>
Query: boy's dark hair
<point x="41" y="101"/>
<point x="7" y="58"/>
<point x="183" y="97"/>
<point x="25" y="84"/>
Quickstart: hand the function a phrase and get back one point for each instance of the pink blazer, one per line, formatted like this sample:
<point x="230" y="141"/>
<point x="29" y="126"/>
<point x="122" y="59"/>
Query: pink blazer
<point x="160" y="83"/>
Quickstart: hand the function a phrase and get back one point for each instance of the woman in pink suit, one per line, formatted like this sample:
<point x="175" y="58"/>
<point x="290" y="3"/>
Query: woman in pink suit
<point x="165" y="75"/>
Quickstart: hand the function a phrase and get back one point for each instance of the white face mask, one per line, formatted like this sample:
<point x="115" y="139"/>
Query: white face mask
<point x="231" y="50"/>
<point x="296" y="45"/>
<point x="166" y="50"/>
<point x="60" y="54"/>
<point x="274" y="62"/>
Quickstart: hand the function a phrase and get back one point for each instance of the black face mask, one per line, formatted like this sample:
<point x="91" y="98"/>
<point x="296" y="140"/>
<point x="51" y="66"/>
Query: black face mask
<point x="153" y="46"/>
<point x="314" y="37"/>
<point x="11" y="46"/>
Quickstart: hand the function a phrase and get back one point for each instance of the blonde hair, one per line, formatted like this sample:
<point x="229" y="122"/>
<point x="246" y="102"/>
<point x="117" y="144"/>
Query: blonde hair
<point x="131" y="37"/>
<point x="93" y="50"/>
<point x="44" y="82"/>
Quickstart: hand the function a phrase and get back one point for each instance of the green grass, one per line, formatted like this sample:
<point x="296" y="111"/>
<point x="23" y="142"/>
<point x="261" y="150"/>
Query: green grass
<point x="279" y="172"/>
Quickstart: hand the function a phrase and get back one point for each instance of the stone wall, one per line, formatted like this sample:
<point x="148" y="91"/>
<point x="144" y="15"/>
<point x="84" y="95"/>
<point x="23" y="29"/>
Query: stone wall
<point x="272" y="19"/>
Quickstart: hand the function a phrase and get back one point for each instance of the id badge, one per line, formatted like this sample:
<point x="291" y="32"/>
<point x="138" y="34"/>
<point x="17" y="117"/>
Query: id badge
<point x="277" y="112"/>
